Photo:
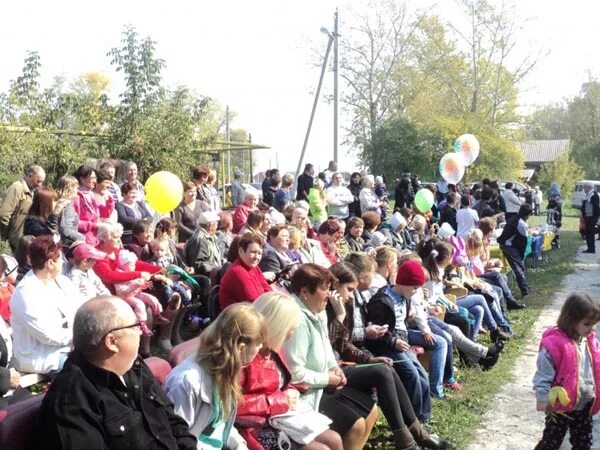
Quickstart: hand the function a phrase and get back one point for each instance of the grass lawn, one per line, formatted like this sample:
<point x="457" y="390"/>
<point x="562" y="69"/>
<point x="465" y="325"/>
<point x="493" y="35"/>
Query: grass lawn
<point x="457" y="418"/>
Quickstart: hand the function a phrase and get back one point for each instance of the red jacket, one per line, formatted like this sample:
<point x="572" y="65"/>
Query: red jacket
<point x="262" y="395"/>
<point x="108" y="273"/>
<point x="240" y="217"/>
<point x="241" y="284"/>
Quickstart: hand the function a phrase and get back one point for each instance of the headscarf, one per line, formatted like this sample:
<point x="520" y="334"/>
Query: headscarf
<point x="554" y="190"/>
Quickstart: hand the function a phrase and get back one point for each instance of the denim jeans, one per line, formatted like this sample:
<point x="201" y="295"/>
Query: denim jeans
<point x="437" y="359"/>
<point x="415" y="380"/>
<point x="500" y="280"/>
<point x="477" y="305"/>
<point x="497" y="311"/>
<point x="439" y="329"/>
<point x="517" y="264"/>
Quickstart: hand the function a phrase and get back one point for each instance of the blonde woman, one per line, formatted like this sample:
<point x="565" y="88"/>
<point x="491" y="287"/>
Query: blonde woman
<point x="386" y="260"/>
<point x="205" y="388"/>
<point x="266" y="380"/>
<point x="68" y="220"/>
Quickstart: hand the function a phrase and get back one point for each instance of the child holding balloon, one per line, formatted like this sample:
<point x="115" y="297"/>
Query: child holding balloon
<point x="568" y="366"/>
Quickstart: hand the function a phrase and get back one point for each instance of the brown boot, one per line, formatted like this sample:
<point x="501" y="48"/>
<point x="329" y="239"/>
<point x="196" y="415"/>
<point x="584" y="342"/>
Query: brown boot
<point x="404" y="440"/>
<point x="425" y="439"/>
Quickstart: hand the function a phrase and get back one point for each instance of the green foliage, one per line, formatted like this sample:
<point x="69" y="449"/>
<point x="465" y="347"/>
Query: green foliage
<point x="399" y="146"/>
<point x="548" y="122"/>
<point x="64" y="124"/>
<point x="584" y="129"/>
<point x="564" y="171"/>
<point x="498" y="157"/>
<point x="416" y="84"/>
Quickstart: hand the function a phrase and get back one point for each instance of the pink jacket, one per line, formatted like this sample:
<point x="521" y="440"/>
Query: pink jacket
<point x="87" y="208"/>
<point x="563" y="351"/>
<point x="129" y="289"/>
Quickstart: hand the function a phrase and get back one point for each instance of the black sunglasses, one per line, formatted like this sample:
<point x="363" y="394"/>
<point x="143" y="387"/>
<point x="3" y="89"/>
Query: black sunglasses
<point x="133" y="325"/>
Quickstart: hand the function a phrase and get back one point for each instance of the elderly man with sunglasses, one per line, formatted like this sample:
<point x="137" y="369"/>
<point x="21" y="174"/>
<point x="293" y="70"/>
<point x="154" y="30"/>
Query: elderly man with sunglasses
<point x="106" y="397"/>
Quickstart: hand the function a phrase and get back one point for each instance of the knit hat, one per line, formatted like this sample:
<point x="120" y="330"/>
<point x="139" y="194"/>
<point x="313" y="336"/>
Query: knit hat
<point x="445" y="231"/>
<point x="396" y="220"/>
<point x="410" y="274"/>
<point x="377" y="239"/>
<point x="125" y="258"/>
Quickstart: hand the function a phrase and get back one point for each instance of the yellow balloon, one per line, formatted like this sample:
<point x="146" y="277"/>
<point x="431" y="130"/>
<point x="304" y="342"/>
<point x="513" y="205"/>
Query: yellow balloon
<point x="164" y="191"/>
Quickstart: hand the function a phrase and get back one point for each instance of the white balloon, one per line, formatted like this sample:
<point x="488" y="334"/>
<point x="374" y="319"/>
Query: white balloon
<point x="452" y="167"/>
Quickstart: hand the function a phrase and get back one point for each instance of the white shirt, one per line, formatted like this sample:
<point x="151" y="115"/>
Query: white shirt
<point x="338" y="198"/>
<point x="511" y="201"/>
<point x="42" y="322"/>
<point x="190" y="389"/>
<point x="377" y="282"/>
<point x="88" y="283"/>
<point x="466" y="219"/>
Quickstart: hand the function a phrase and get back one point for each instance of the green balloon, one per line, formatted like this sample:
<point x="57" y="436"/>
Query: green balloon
<point x="424" y="200"/>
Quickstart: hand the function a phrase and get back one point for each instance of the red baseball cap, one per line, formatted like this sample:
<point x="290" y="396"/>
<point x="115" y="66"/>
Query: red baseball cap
<point x="86" y="251"/>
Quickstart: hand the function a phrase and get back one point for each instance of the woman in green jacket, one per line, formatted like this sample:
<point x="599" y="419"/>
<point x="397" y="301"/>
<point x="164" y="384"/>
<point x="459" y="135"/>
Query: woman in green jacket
<point x="312" y="362"/>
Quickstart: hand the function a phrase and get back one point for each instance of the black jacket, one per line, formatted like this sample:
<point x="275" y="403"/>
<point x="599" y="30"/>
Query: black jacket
<point x="89" y="408"/>
<point x="380" y="311"/>
<point x="449" y="215"/>
<point x="511" y="230"/>
<point x="305" y="183"/>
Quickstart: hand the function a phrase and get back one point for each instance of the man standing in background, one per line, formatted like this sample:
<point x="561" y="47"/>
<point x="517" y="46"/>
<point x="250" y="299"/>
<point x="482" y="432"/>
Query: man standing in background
<point x="17" y="202"/>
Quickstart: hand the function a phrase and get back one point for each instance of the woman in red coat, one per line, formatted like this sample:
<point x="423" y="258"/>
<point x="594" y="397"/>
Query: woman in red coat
<point x="265" y="382"/>
<point x="244" y="281"/>
<point x="109" y="235"/>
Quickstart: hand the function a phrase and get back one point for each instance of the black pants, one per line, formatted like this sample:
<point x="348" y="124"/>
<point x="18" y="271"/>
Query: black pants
<point x="590" y="234"/>
<point x="391" y="394"/>
<point x="517" y="264"/>
<point x="579" y="424"/>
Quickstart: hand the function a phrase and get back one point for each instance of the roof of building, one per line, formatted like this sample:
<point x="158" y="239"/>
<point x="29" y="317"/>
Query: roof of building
<point x="543" y="151"/>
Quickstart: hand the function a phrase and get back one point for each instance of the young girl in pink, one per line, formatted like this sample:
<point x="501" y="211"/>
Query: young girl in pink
<point x="132" y="293"/>
<point x="569" y="358"/>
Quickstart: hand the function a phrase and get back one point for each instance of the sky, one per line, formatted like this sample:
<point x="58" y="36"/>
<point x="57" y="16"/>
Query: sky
<point x="259" y="57"/>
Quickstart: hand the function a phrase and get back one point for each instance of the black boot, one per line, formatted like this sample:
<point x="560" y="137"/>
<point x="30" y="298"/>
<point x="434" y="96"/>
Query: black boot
<point x="404" y="440"/>
<point x="426" y="440"/>
<point x="490" y="360"/>
<point x="499" y="335"/>
<point x="513" y="304"/>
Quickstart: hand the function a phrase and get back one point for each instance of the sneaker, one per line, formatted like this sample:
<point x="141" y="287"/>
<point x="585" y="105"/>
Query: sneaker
<point x="496" y="348"/>
<point x="514" y="305"/>
<point x="499" y="335"/>
<point x="455" y="386"/>
<point x="489" y="361"/>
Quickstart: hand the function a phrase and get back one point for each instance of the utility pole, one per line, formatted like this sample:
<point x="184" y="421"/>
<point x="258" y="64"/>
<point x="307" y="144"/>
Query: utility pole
<point x="316" y="101"/>
<point x="228" y="147"/>
<point x="336" y="36"/>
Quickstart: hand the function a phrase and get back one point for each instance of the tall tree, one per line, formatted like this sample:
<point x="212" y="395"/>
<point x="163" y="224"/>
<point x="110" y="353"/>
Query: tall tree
<point x="584" y="128"/>
<point x="548" y="122"/>
<point x="490" y="38"/>
<point x="370" y="52"/>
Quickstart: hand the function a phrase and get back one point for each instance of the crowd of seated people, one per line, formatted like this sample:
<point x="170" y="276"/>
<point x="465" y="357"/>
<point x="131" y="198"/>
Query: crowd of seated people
<point x="323" y="301"/>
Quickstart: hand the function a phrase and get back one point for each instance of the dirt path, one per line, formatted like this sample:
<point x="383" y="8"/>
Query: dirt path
<point x="512" y="423"/>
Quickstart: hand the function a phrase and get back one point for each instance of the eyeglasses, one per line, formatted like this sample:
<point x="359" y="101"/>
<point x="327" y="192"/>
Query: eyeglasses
<point x="125" y="327"/>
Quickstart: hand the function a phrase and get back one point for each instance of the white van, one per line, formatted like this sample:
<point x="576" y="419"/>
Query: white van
<point x="578" y="193"/>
